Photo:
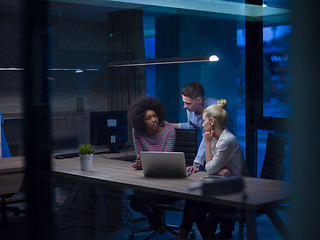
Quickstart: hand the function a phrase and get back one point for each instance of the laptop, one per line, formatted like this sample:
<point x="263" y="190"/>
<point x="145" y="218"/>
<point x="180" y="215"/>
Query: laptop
<point x="164" y="164"/>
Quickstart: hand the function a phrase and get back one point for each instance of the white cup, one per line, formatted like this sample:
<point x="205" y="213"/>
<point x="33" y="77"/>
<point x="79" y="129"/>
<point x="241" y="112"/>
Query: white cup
<point x="86" y="162"/>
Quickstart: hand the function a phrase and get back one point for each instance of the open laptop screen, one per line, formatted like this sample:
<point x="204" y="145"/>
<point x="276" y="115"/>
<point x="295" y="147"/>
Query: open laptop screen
<point x="163" y="164"/>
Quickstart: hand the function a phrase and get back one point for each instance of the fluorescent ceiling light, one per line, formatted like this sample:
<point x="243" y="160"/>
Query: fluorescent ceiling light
<point x="10" y="69"/>
<point x="264" y="4"/>
<point x="74" y="69"/>
<point x="77" y="70"/>
<point x="158" y="61"/>
<point x="213" y="58"/>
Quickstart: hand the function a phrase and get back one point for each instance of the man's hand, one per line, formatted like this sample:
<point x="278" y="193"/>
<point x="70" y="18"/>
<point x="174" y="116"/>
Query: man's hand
<point x="137" y="163"/>
<point x="175" y="125"/>
<point x="192" y="169"/>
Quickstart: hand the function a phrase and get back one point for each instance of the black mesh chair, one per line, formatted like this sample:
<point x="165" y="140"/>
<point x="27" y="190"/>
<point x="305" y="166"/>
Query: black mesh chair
<point x="274" y="157"/>
<point x="186" y="141"/>
<point x="5" y="206"/>
<point x="271" y="168"/>
<point x="10" y="201"/>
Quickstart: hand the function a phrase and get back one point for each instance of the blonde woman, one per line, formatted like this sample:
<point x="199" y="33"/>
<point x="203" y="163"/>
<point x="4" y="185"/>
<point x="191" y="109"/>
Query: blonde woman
<point x="224" y="157"/>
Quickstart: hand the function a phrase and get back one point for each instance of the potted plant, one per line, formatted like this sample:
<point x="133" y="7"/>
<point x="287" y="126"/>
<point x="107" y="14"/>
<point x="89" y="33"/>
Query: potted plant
<point x="86" y="154"/>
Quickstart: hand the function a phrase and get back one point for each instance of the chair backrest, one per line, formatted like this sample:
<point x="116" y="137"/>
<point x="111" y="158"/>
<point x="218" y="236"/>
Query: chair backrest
<point x="273" y="160"/>
<point x="187" y="142"/>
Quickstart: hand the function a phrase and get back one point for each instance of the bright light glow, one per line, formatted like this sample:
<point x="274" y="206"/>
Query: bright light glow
<point x="10" y="69"/>
<point x="213" y="58"/>
<point x="264" y="4"/>
<point x="134" y="63"/>
<point x="51" y="69"/>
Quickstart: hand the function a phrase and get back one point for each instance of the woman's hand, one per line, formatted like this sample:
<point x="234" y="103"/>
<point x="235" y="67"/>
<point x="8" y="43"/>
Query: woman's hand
<point x="137" y="163"/>
<point x="224" y="172"/>
<point x="208" y="136"/>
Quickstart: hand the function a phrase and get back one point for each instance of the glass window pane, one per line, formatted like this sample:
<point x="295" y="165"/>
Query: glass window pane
<point x="222" y="79"/>
<point x="276" y="75"/>
<point x="86" y="38"/>
<point x="13" y="223"/>
<point x="11" y="73"/>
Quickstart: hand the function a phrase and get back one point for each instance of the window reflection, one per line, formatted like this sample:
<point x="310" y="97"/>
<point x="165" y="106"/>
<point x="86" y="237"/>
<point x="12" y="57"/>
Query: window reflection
<point x="276" y="77"/>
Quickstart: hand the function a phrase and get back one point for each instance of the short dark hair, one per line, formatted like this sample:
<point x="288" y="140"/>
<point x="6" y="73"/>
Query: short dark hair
<point x="193" y="90"/>
<point x="138" y="108"/>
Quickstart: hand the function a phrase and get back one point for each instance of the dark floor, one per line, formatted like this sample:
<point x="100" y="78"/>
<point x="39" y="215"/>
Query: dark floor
<point x="72" y="225"/>
<point x="16" y="229"/>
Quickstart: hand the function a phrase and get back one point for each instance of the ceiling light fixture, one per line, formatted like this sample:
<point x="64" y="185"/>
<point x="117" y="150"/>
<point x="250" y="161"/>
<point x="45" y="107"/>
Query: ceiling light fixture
<point x="158" y="61"/>
<point x="10" y="69"/>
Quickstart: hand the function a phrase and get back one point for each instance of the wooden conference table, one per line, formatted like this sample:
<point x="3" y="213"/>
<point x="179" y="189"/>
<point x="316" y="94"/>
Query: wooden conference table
<point x="261" y="194"/>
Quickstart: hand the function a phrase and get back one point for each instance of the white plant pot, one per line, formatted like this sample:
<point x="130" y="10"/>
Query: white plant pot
<point x="86" y="162"/>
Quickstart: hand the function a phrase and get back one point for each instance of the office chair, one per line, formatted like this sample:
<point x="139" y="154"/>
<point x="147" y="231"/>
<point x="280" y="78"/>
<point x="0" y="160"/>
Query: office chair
<point x="163" y="227"/>
<point x="274" y="157"/>
<point x="186" y="141"/>
<point x="7" y="199"/>
<point x="271" y="168"/>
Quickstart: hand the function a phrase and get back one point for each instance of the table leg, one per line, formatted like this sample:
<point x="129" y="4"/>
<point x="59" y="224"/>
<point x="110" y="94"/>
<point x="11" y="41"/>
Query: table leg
<point x="89" y="211"/>
<point x="251" y="225"/>
<point x="277" y="222"/>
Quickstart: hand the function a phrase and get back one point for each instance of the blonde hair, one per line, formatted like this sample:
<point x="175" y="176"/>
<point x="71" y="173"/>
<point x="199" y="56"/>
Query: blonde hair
<point x="218" y="113"/>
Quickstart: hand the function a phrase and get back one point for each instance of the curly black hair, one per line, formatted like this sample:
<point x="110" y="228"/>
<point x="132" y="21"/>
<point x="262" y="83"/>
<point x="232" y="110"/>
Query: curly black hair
<point x="138" y="108"/>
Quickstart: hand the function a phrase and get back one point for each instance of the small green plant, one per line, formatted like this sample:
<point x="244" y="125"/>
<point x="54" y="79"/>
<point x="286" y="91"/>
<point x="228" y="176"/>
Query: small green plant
<point x="86" y="148"/>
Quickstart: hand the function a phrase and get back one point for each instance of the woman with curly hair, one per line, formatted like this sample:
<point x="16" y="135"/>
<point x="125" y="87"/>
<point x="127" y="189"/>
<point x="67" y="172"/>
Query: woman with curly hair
<point x="147" y="115"/>
<point x="149" y="133"/>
